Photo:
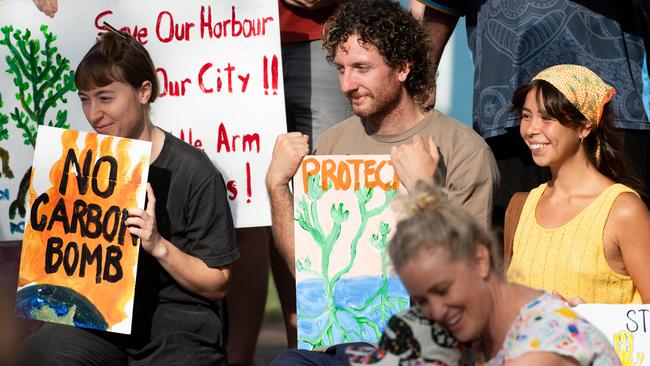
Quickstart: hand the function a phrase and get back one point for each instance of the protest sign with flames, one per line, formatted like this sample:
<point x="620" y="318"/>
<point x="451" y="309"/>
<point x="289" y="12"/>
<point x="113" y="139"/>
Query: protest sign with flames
<point x="78" y="262"/>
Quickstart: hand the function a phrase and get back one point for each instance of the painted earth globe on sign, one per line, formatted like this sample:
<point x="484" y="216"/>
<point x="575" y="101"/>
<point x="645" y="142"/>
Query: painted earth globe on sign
<point x="58" y="304"/>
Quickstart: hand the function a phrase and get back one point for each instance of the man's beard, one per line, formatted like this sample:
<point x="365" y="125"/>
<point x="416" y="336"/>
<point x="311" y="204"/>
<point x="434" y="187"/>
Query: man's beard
<point x="374" y="113"/>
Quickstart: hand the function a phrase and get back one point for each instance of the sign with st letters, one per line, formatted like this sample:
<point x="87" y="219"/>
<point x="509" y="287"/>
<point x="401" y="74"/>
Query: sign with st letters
<point x="220" y="74"/>
<point x="346" y="289"/>
<point x="78" y="261"/>
<point x="626" y="326"/>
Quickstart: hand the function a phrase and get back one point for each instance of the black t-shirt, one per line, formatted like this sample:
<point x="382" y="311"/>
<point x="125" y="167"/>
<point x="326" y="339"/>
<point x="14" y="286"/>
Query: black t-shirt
<point x="192" y="213"/>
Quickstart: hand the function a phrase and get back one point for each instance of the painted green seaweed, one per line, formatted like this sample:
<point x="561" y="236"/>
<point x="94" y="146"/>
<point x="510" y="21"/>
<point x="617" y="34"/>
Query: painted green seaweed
<point x="43" y="78"/>
<point x="388" y="305"/>
<point x="4" y="154"/>
<point x="307" y="218"/>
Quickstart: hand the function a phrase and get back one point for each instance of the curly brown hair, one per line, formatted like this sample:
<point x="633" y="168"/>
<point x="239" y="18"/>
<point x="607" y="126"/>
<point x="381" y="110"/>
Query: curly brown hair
<point x="398" y="36"/>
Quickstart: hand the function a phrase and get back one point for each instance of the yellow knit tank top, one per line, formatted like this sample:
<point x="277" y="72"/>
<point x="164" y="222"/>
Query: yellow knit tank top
<point x="570" y="258"/>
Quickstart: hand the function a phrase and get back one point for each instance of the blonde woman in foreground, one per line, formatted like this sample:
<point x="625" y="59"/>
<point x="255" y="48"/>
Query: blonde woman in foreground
<point x="451" y="269"/>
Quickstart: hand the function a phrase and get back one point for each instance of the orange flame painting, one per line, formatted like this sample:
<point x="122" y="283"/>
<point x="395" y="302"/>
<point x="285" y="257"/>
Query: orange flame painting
<point x="79" y="262"/>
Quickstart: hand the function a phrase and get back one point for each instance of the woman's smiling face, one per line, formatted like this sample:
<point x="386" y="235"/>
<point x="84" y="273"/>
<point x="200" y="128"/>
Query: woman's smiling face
<point x="550" y="142"/>
<point x="452" y="292"/>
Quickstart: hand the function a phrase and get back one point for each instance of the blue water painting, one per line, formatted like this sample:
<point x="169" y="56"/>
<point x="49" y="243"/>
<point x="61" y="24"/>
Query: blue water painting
<point x="355" y="310"/>
<point x="58" y="304"/>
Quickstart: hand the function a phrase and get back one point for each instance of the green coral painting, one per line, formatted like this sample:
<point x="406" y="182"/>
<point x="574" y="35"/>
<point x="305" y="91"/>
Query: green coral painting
<point x="345" y="288"/>
<point x="5" y="170"/>
<point x="42" y="79"/>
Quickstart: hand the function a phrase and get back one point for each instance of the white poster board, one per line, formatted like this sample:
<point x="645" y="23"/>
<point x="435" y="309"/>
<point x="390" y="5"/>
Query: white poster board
<point x="626" y="326"/>
<point x="220" y="70"/>
<point x="346" y="288"/>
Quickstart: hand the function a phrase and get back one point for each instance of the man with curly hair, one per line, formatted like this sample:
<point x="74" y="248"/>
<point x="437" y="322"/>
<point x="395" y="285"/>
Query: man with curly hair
<point x="382" y="55"/>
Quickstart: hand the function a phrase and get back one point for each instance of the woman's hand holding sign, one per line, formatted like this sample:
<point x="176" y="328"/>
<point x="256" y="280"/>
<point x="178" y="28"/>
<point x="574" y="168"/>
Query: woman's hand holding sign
<point x="189" y="271"/>
<point x="142" y="223"/>
<point x="573" y="302"/>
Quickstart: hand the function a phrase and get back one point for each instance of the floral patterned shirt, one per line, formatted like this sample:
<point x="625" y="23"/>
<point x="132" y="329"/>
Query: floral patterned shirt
<point x="546" y="324"/>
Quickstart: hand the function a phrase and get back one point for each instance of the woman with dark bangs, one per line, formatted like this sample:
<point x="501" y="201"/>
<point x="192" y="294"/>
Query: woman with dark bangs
<point x="585" y="234"/>
<point x="186" y="231"/>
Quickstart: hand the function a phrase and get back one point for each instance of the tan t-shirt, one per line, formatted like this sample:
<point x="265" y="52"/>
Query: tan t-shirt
<point x="467" y="166"/>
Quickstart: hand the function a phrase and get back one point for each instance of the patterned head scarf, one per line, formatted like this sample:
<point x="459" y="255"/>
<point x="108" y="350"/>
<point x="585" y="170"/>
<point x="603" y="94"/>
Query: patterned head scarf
<point x="582" y="87"/>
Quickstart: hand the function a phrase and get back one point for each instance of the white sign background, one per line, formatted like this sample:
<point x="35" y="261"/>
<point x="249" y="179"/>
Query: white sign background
<point x="632" y="320"/>
<point x="238" y="99"/>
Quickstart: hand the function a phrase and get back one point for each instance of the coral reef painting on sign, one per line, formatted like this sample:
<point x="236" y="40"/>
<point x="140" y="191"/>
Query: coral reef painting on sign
<point x="345" y="288"/>
<point x="43" y="79"/>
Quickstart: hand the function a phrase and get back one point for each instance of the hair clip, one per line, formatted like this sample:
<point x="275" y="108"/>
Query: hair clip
<point x="115" y="30"/>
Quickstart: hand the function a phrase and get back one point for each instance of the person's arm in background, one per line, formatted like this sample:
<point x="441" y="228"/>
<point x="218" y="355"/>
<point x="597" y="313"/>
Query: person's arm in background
<point x="440" y="25"/>
<point x="49" y="7"/>
<point x="289" y="150"/>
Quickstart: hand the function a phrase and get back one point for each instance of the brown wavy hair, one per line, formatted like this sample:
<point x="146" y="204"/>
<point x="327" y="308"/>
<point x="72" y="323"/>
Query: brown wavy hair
<point x="117" y="56"/>
<point x="398" y="36"/>
<point x="602" y="145"/>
